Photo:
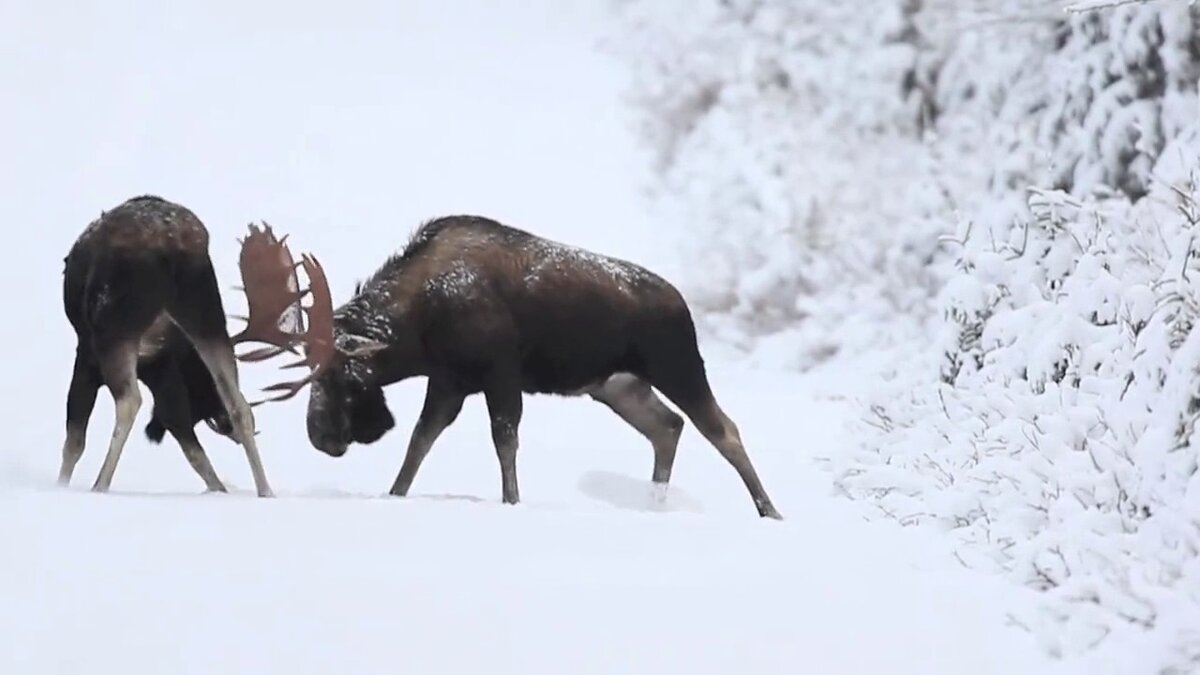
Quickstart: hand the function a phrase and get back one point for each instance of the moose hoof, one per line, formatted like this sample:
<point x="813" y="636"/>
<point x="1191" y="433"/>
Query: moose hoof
<point x="770" y="512"/>
<point x="658" y="492"/>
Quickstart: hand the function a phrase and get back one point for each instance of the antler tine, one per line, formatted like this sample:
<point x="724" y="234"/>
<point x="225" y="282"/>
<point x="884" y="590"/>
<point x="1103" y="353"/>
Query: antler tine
<point x="290" y="389"/>
<point x="319" y="338"/>
<point x="261" y="354"/>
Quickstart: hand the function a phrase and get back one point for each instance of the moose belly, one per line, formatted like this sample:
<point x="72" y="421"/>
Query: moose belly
<point x="571" y="368"/>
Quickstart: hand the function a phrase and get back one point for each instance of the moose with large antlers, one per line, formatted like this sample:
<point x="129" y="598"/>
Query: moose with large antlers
<point x="140" y="292"/>
<point x="476" y="306"/>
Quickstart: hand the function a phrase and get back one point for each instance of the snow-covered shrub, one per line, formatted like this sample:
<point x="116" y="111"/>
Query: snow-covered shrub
<point x="1121" y="86"/>
<point x="1059" y="444"/>
<point x="787" y="139"/>
<point x="816" y="152"/>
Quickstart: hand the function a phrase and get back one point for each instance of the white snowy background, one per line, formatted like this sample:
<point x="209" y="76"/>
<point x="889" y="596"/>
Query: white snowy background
<point x="940" y="250"/>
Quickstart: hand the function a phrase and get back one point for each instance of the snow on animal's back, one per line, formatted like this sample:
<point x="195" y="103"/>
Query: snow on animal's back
<point x="568" y="283"/>
<point x="476" y="255"/>
<point x="546" y="259"/>
<point x="147" y="223"/>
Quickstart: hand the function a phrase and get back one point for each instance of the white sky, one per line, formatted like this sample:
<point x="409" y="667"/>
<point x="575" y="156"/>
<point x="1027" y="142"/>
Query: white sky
<point x="344" y="124"/>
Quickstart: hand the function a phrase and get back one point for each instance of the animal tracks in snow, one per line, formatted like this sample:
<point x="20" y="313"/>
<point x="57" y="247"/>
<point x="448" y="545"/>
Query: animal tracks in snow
<point x="634" y="494"/>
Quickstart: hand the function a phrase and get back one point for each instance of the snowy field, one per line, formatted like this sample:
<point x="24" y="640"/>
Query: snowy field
<point x="586" y="575"/>
<point x="346" y="129"/>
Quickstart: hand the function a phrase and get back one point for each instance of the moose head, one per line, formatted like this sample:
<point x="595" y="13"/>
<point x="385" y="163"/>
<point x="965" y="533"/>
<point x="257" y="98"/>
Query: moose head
<point x="342" y="407"/>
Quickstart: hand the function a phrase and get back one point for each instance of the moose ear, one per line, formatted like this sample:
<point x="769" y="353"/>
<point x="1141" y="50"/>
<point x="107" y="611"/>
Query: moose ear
<point x="356" y="345"/>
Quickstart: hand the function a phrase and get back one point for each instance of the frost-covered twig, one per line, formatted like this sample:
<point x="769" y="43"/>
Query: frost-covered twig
<point x="1093" y="5"/>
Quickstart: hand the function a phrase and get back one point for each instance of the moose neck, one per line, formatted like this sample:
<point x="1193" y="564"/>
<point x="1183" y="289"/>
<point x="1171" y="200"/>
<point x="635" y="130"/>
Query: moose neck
<point x="399" y="360"/>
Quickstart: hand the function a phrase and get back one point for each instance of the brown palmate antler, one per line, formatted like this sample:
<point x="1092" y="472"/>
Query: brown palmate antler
<point x="272" y="290"/>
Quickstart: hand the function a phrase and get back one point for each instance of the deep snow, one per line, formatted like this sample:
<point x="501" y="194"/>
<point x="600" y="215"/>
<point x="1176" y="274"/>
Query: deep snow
<point x="346" y="128"/>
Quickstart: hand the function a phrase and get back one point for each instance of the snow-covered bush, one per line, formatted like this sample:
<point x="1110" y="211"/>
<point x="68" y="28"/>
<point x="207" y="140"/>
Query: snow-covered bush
<point x="1083" y="102"/>
<point x="817" y="151"/>
<point x="1058" y="448"/>
<point x="814" y="150"/>
<point x="786" y="137"/>
<point x="1056" y="441"/>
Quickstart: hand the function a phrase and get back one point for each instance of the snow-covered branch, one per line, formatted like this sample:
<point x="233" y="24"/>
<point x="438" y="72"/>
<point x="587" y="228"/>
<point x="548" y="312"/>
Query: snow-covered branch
<point x="1092" y="5"/>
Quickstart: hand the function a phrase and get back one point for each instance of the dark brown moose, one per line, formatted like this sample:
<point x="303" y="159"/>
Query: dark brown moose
<point x="475" y="306"/>
<point x="140" y="292"/>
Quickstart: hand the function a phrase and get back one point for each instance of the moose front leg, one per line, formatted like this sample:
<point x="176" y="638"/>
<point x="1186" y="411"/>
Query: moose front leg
<point x="442" y="405"/>
<point x="504" y="408"/>
<point x="173" y="409"/>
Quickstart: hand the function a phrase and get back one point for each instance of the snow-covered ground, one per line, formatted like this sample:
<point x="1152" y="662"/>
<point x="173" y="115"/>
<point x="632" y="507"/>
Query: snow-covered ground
<point x="584" y="576"/>
<point x="346" y="127"/>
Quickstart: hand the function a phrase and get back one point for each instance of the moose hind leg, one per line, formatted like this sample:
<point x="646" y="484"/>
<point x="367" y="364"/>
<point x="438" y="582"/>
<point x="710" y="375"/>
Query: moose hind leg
<point x="632" y="399"/>
<point x="81" y="401"/>
<point x="119" y="369"/>
<point x="677" y="370"/>
<point x="716" y="426"/>
<point x="123" y="298"/>
<point x="504" y="407"/>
